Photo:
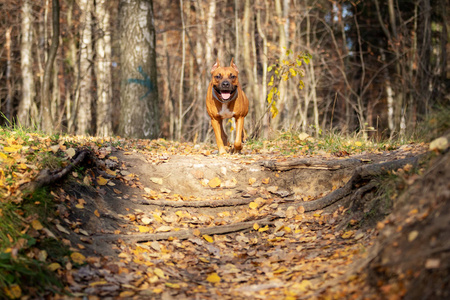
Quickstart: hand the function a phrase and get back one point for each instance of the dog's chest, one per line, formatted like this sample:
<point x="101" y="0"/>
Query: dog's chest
<point x="225" y="112"/>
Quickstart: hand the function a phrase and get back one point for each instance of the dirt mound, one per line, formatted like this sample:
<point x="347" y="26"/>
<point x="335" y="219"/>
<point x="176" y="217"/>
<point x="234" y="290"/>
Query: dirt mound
<point x="414" y="245"/>
<point x="200" y="225"/>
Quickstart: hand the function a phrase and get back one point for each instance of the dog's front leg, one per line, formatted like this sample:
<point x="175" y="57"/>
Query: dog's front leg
<point x="220" y="135"/>
<point x="239" y="134"/>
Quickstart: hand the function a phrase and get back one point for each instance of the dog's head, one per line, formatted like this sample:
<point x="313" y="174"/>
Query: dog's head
<point x="225" y="81"/>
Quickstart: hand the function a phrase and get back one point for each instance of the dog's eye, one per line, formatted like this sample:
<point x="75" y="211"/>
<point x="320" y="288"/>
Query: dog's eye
<point x="233" y="77"/>
<point x="217" y="77"/>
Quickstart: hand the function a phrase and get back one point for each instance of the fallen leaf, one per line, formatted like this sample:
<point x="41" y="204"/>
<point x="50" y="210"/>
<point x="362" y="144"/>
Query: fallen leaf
<point x="143" y="229"/>
<point x="160" y="273"/>
<point x="255" y="226"/>
<point x="101" y="180"/>
<point x="13" y="291"/>
<point x="97" y="213"/>
<point x="62" y="229"/>
<point x="413" y="235"/>
<point x="208" y="238"/>
<point x="215" y="182"/>
<point x="213" y="278"/>
<point x="13" y="148"/>
<point x="251" y="180"/>
<point x="53" y="266"/>
<point x="156" y="180"/>
<point x="126" y="294"/>
<point x="347" y="234"/>
<point x="70" y="152"/>
<point x="36" y="225"/>
<point x="78" y="258"/>
<point x="253" y="205"/>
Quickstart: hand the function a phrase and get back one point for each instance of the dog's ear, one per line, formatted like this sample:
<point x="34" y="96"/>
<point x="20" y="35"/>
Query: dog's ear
<point x="215" y="66"/>
<point x="233" y="65"/>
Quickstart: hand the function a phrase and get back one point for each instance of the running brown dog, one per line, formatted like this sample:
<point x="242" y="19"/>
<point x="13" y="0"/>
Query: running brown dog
<point x="226" y="99"/>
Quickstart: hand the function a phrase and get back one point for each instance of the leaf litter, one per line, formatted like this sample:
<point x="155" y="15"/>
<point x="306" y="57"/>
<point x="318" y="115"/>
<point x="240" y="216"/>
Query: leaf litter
<point x="297" y="255"/>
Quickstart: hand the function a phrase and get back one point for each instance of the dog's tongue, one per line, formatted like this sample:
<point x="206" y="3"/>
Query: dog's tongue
<point x="225" y="95"/>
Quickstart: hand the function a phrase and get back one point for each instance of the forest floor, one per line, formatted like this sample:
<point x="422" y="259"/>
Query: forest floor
<point x="166" y="220"/>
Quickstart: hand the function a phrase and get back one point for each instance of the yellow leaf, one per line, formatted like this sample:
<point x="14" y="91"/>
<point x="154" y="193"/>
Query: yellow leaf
<point x="280" y="270"/>
<point x="12" y="148"/>
<point x="54" y="266"/>
<point x="255" y="226"/>
<point x="97" y="213"/>
<point x="173" y="285"/>
<point x="36" y="225"/>
<point x="79" y="206"/>
<point x="3" y="156"/>
<point x="143" y="229"/>
<point x="303" y="286"/>
<point x="266" y="180"/>
<point x="358" y="144"/>
<point x="253" y="205"/>
<point x="196" y="232"/>
<point x="13" y="291"/>
<point x="126" y="294"/>
<point x="251" y="180"/>
<point x="265" y="228"/>
<point x="215" y="182"/>
<point x="78" y="258"/>
<point x="111" y="172"/>
<point x="101" y="180"/>
<point x="208" y="238"/>
<point x="101" y="282"/>
<point x="213" y="278"/>
<point x="413" y="235"/>
<point x="347" y="234"/>
<point x="158" y="272"/>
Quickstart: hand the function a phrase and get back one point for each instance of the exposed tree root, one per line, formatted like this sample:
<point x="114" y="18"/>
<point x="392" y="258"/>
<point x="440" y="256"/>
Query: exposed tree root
<point x="47" y="176"/>
<point x="196" y="204"/>
<point x="361" y="176"/>
<point x="185" y="234"/>
<point x="317" y="164"/>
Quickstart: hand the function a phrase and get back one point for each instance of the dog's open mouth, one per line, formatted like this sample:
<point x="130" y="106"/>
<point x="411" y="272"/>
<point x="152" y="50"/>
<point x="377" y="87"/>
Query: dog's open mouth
<point x="225" y="95"/>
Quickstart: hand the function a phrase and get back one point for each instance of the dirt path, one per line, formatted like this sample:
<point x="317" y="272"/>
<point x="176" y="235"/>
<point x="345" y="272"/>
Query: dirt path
<point x="209" y="227"/>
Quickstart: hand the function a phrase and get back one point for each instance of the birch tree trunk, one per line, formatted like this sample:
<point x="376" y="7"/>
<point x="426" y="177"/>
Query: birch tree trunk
<point x="46" y="113"/>
<point x="103" y="69"/>
<point x="278" y="121"/>
<point x="27" y="113"/>
<point x="84" y="115"/>
<point x="139" y="116"/>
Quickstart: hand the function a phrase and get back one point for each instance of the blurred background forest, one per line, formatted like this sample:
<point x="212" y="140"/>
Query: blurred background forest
<point x="141" y="68"/>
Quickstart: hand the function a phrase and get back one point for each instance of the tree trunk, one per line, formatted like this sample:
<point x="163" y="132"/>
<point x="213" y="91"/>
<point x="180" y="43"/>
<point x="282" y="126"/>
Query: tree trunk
<point x="139" y="116"/>
<point x="9" y="88"/>
<point x="263" y="95"/>
<point x="46" y="113"/>
<point x="103" y="69"/>
<point x="27" y="113"/>
<point x="183" y="60"/>
<point x="84" y="111"/>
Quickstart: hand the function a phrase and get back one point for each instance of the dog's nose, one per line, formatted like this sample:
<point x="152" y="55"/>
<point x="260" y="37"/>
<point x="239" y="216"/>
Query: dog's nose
<point x="226" y="84"/>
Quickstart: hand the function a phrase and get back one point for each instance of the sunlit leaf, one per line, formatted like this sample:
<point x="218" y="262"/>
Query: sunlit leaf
<point x="126" y="294"/>
<point x="213" y="278"/>
<point x="78" y="258"/>
<point x="215" y="182"/>
<point x="253" y="205"/>
<point x="208" y="238"/>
